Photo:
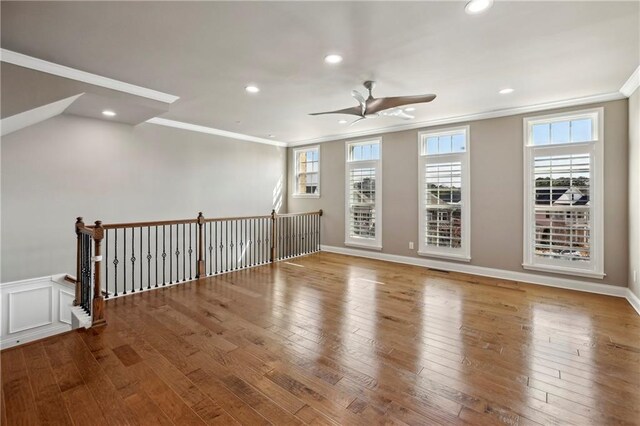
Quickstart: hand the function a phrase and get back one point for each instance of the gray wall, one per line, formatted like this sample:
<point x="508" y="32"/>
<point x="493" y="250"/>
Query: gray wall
<point x="70" y="166"/>
<point x="496" y="194"/>
<point x="634" y="191"/>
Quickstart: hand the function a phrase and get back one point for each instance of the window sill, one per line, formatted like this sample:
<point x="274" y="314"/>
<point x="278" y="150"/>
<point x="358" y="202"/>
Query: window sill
<point x="457" y="257"/>
<point x="364" y="246"/>
<point x="306" y="195"/>
<point x="564" y="271"/>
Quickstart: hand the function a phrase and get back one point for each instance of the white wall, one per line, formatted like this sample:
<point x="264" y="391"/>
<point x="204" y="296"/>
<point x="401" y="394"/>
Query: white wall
<point x="70" y="166"/>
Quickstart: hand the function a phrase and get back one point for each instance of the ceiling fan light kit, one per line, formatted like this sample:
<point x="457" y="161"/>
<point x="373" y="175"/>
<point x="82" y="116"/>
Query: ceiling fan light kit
<point x="374" y="107"/>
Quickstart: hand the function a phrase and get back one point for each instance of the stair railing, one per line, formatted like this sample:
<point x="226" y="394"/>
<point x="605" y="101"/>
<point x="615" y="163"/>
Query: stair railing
<point x="141" y="256"/>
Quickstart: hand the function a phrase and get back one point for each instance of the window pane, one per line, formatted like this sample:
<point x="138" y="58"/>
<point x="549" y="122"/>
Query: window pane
<point x="458" y="143"/>
<point x="375" y="151"/>
<point x="562" y="207"/>
<point x="366" y="152"/>
<point x="443" y="211"/>
<point x="560" y="132"/>
<point x="357" y="153"/>
<point x="432" y="145"/>
<point x="444" y="144"/>
<point x="540" y="134"/>
<point x="581" y="130"/>
<point x="362" y="198"/>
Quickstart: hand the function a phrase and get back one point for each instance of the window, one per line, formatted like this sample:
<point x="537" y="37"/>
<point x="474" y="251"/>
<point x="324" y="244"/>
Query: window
<point x="363" y="215"/>
<point x="563" y="207"/>
<point x="444" y="194"/>
<point x="307" y="163"/>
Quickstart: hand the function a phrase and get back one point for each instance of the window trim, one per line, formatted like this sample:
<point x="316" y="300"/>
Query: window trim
<point x="464" y="252"/>
<point x="367" y="243"/>
<point x="595" y="147"/>
<point x="295" y="171"/>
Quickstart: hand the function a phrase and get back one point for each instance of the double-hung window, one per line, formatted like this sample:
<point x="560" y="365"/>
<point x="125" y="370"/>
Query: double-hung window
<point x="563" y="205"/>
<point x="444" y="207"/>
<point x="307" y="167"/>
<point x="363" y="181"/>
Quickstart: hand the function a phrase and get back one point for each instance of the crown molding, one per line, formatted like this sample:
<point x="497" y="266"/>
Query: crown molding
<point x="631" y="84"/>
<point x="25" y="61"/>
<point x="466" y="118"/>
<point x="211" y="131"/>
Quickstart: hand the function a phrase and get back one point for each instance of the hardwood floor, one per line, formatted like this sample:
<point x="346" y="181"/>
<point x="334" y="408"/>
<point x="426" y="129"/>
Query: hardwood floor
<point x="331" y="339"/>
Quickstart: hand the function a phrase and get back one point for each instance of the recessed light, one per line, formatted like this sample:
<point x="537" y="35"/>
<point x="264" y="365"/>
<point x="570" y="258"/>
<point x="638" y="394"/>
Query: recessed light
<point x="506" y="91"/>
<point x="333" y="59"/>
<point x="477" y="6"/>
<point x="342" y="121"/>
<point x="409" y="109"/>
<point x="108" y="113"/>
<point x="252" y="89"/>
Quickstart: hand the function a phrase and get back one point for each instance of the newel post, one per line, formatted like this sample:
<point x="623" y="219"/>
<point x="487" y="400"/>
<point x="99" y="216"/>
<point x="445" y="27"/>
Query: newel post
<point x="79" y="224"/>
<point x="273" y="236"/>
<point x="98" y="300"/>
<point x="201" y="267"/>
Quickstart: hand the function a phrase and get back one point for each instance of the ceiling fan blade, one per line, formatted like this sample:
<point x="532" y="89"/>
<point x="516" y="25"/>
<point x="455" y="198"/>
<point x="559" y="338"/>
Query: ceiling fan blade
<point x="356" y="110"/>
<point x="359" y="119"/>
<point x="377" y="105"/>
<point x="358" y="97"/>
<point x="398" y="113"/>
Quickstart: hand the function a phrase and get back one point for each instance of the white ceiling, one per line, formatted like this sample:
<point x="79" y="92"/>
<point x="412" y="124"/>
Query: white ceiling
<point x="207" y="52"/>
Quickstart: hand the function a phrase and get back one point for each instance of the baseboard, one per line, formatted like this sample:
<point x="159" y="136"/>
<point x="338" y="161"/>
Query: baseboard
<point x="558" y="282"/>
<point x="633" y="300"/>
<point x="11" y="341"/>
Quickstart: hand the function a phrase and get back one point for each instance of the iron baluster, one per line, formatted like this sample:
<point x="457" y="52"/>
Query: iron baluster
<point x="106" y="263"/>
<point x="124" y="260"/>
<point x="133" y="261"/>
<point x="184" y="266"/>
<point x="115" y="263"/>
<point x="156" y="256"/>
<point x="190" y="252"/>
<point x="141" y="288"/>
<point x="148" y="257"/>
<point x="177" y="253"/>
<point x="164" y="257"/>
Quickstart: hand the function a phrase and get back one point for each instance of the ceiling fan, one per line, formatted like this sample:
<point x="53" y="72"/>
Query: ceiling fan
<point x="372" y="107"/>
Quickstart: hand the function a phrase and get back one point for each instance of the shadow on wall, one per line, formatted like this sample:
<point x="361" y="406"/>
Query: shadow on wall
<point x="277" y="194"/>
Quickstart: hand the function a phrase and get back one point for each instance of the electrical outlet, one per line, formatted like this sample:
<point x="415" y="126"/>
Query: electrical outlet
<point x="410" y="245"/>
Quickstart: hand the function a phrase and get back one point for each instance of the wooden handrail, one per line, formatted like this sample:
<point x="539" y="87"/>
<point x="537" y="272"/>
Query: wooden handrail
<point x="145" y="224"/>
<point x="222" y="219"/>
<point x="319" y="212"/>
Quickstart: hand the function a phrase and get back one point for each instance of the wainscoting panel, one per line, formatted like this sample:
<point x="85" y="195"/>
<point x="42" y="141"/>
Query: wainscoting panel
<point x="33" y="309"/>
<point x="30" y="308"/>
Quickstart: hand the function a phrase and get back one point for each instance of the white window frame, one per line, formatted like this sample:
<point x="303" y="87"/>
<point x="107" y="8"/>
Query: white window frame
<point x="354" y="241"/>
<point x="463" y="253"/>
<point x="296" y="151"/>
<point x="595" y="267"/>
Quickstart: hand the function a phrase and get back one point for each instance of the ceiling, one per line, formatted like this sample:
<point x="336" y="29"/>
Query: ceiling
<point x="207" y="52"/>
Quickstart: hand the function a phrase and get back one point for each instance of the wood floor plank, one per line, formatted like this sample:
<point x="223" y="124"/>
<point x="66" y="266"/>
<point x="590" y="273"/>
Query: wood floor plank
<point x="328" y="339"/>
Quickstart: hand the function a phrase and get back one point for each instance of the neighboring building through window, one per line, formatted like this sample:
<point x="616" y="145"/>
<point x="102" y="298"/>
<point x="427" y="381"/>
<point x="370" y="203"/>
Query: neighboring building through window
<point x="444" y="193"/>
<point x="563" y="193"/>
<point x="363" y="215"/>
<point x="307" y="166"/>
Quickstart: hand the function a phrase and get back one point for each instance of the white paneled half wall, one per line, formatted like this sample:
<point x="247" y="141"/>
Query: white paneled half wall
<point x="35" y="308"/>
